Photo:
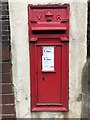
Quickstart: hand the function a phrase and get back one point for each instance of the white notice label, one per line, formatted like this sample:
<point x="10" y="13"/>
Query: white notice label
<point x="48" y="58"/>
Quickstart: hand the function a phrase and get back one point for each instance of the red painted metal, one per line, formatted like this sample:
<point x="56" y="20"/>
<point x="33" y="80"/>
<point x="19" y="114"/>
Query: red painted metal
<point x="49" y="26"/>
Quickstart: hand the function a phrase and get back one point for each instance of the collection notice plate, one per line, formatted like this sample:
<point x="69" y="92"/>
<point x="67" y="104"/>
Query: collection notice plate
<point x="48" y="58"/>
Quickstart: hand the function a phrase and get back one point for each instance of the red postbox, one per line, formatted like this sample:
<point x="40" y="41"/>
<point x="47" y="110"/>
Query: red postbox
<point x="49" y="56"/>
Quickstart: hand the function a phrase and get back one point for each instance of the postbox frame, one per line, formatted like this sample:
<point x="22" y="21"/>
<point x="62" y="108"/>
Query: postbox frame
<point x="64" y="43"/>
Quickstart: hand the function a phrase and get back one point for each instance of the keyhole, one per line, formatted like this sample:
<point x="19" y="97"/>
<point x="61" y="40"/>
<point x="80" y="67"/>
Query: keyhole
<point x="43" y="78"/>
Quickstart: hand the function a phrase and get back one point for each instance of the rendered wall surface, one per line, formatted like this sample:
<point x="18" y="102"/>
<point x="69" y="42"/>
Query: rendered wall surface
<point x="20" y="57"/>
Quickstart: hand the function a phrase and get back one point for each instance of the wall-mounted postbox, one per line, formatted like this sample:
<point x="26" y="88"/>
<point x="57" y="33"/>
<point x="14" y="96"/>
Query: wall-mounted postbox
<point x="49" y="54"/>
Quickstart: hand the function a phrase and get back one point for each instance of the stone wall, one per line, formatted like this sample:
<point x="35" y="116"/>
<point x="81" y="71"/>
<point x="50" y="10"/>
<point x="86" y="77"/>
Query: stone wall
<point x="21" y="60"/>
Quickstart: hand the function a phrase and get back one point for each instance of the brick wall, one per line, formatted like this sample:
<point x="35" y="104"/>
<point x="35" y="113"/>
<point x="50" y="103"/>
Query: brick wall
<point x="6" y="93"/>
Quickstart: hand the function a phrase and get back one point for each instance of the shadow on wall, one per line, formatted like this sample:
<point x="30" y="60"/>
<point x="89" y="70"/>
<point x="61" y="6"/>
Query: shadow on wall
<point x="88" y="30"/>
<point x="85" y="94"/>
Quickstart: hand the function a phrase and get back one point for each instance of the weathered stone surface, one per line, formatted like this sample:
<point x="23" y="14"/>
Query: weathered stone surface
<point x="20" y="56"/>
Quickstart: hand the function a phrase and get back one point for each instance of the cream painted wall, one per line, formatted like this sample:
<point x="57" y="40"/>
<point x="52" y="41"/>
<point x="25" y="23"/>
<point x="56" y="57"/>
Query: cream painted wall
<point x="20" y="56"/>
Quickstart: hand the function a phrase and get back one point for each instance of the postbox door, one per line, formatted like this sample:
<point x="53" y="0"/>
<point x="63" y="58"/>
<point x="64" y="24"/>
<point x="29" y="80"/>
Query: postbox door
<point x="49" y="74"/>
